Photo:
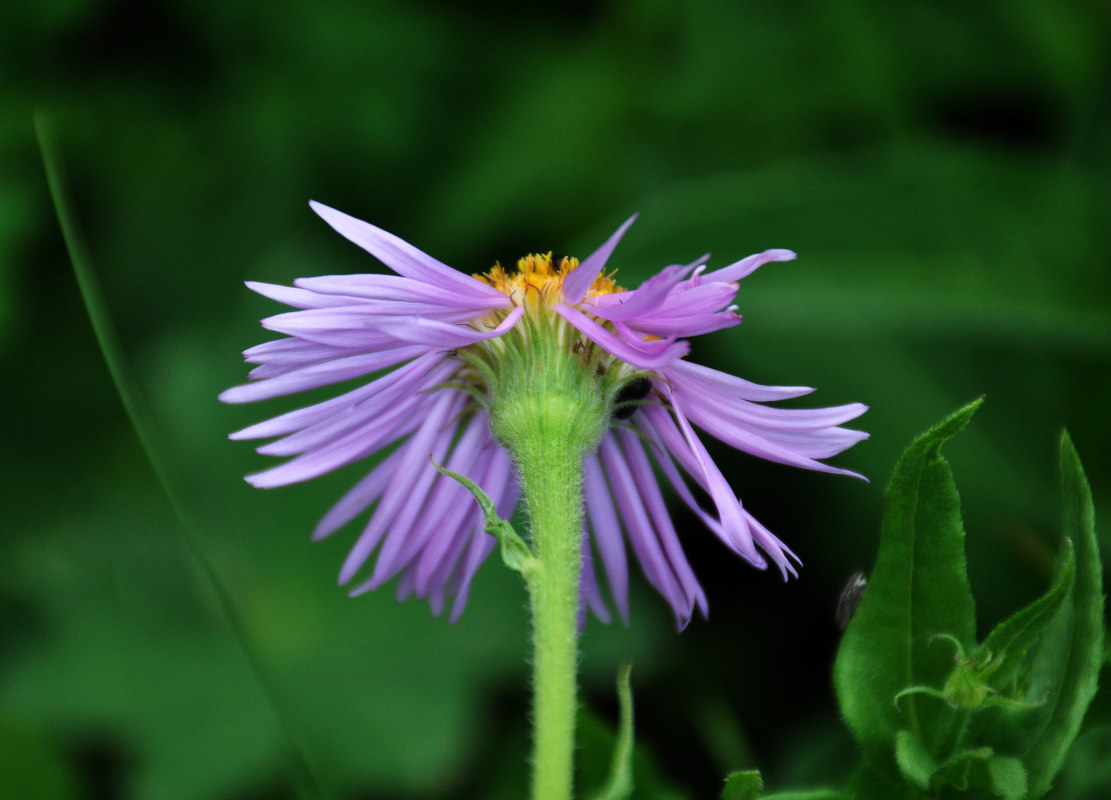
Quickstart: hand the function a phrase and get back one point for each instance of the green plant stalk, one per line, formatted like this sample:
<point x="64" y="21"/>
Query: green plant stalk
<point x="550" y="414"/>
<point x="555" y="512"/>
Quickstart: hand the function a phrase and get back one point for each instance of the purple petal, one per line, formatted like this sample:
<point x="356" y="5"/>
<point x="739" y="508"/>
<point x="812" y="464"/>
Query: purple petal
<point x="431" y="332"/>
<point x="578" y="282"/>
<point x="607" y="532"/>
<point x="358" y="498"/>
<point x="590" y="597"/>
<point x="373" y="318"/>
<point x="413" y="476"/>
<point x="408" y="535"/>
<point x="328" y="410"/>
<point x="298" y="298"/>
<point x="497" y="485"/>
<point x="682" y="442"/>
<point x="400" y="256"/>
<point x="311" y="377"/>
<point x="639" y="528"/>
<point x="689" y="325"/>
<point x="785" y="447"/>
<point x="649" y="490"/>
<point x="397" y="288"/>
<point x="482" y="544"/>
<point x="644" y="355"/>
<point x="695" y="375"/>
<point x="340" y="440"/>
<point x="746" y="266"/>
<point x="387" y="400"/>
<point x="357" y="444"/>
<point x="275" y="360"/>
<point x="646" y="298"/>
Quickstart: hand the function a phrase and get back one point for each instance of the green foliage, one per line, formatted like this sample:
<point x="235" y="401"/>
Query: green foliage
<point x="1058" y="673"/>
<point x="993" y="720"/>
<point x="918" y="589"/>
<point x="746" y="785"/>
<point x="1086" y="774"/>
<point x="31" y="766"/>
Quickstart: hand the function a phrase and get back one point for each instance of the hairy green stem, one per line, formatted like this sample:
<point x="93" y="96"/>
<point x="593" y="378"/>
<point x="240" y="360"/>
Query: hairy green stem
<point x="549" y="416"/>
<point x="555" y="512"/>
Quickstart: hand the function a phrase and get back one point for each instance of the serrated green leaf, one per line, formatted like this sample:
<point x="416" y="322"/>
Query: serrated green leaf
<point x="1058" y="678"/>
<point x="1012" y="639"/>
<point x="915" y="762"/>
<point x="746" y="785"/>
<point x="918" y="589"/>
<point x="810" y="794"/>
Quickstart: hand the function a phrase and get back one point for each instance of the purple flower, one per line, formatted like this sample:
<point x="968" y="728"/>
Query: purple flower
<point x="420" y="334"/>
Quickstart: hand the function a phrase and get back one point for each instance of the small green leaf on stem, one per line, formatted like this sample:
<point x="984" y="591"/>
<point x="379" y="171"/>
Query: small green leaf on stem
<point x="1006" y="646"/>
<point x="914" y="760"/>
<point x="619" y="786"/>
<point x="514" y="551"/>
<point x="1008" y="777"/>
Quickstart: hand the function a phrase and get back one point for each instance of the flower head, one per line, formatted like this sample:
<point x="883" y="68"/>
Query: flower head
<point x="429" y="345"/>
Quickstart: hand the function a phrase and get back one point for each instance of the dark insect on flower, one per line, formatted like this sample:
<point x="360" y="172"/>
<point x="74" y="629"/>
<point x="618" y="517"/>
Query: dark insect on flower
<point x="850" y="599"/>
<point x="628" y="399"/>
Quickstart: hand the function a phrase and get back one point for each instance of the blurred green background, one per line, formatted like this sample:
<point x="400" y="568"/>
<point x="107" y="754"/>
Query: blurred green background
<point x="942" y="168"/>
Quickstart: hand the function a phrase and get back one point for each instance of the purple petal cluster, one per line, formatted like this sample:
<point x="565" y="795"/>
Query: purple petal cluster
<point x="403" y="333"/>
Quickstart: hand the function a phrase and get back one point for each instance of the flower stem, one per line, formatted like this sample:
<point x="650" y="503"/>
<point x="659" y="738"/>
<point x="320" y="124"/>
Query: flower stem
<point x="553" y="489"/>
<point x="549" y="417"/>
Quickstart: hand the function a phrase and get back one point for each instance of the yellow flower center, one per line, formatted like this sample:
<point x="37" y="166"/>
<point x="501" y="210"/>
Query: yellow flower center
<point x="544" y="344"/>
<point x="538" y="280"/>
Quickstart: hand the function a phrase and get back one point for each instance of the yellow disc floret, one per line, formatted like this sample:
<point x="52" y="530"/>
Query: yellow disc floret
<point x="543" y="348"/>
<point x="538" y="281"/>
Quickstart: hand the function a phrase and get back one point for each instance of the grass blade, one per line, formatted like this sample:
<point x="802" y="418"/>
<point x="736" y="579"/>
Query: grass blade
<point x="156" y="450"/>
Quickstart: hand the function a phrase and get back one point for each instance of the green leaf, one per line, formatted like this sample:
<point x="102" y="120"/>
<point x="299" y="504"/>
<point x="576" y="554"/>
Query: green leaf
<point x="915" y="762"/>
<point x="1060" y="672"/>
<point x="596" y="743"/>
<point x="619" y="786"/>
<point x="961" y="769"/>
<point x="1086" y="774"/>
<point x="1008" y="777"/>
<point x="808" y="794"/>
<point x="919" y="589"/>
<point x="746" y="785"/>
<point x="878" y="778"/>
<point x="31" y="765"/>
<point x="514" y="551"/>
<point x="1012" y="639"/>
